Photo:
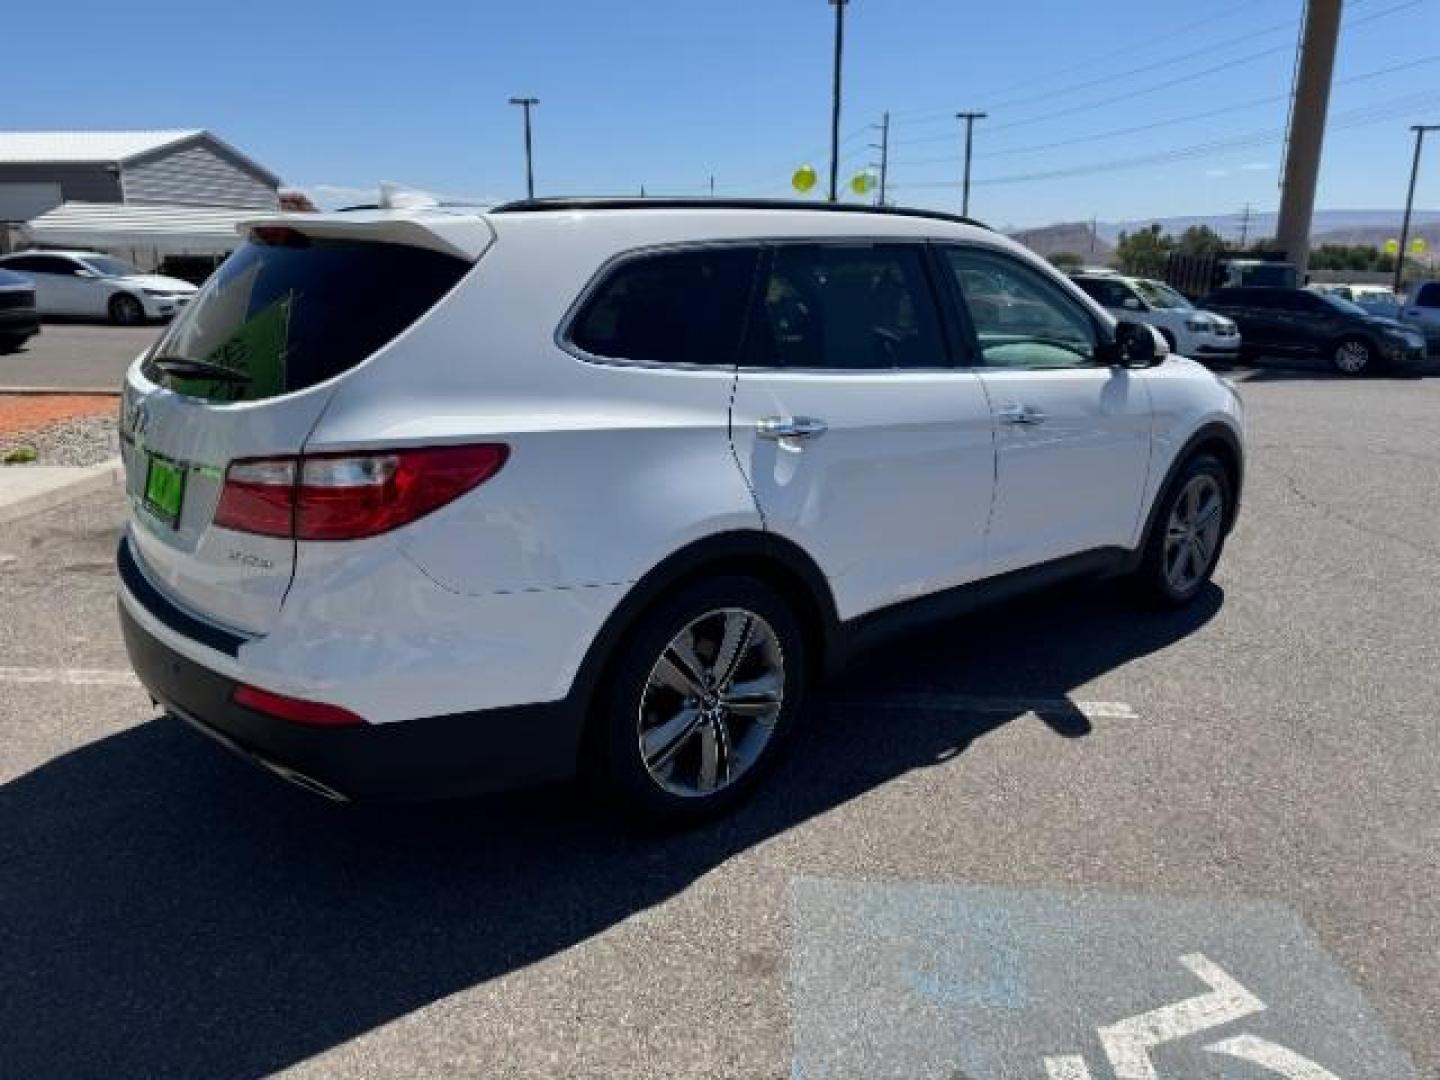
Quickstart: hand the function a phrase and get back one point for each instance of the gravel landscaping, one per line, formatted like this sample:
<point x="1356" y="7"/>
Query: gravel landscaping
<point x="85" y="441"/>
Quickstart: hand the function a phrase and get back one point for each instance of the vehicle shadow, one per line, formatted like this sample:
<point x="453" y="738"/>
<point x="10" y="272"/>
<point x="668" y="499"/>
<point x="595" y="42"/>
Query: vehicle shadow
<point x="168" y="910"/>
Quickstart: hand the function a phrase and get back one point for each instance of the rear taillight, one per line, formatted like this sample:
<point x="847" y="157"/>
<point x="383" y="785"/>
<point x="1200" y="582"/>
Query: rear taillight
<point x="347" y="496"/>
<point x="295" y="710"/>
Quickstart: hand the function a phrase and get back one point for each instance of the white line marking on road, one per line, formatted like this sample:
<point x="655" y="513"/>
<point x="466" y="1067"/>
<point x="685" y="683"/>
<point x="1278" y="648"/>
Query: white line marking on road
<point x="68" y="676"/>
<point x="1127" y="1043"/>
<point x="1267" y="1055"/>
<point x="1093" y="710"/>
<point x="1067" y="1067"/>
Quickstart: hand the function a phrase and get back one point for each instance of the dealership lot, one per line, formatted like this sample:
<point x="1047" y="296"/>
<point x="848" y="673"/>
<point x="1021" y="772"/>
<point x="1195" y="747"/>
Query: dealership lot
<point x="1029" y="827"/>
<point x="76" y="356"/>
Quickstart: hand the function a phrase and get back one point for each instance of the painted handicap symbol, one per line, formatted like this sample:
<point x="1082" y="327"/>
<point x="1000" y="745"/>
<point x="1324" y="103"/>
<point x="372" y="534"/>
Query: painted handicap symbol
<point x="1128" y="1042"/>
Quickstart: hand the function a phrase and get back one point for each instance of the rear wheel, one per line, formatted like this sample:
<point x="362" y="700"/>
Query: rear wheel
<point x="125" y="310"/>
<point x="702" y="701"/>
<point x="1353" y="356"/>
<point x="1189" y="534"/>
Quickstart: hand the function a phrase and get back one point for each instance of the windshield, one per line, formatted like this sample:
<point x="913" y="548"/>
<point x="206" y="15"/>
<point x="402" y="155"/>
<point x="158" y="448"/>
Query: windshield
<point x="104" y="264"/>
<point x="291" y="314"/>
<point x="1161" y="295"/>
<point x="1342" y="305"/>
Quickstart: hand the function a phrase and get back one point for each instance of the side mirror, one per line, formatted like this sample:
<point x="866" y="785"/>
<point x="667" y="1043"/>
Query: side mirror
<point x="1130" y="303"/>
<point x="1136" y="346"/>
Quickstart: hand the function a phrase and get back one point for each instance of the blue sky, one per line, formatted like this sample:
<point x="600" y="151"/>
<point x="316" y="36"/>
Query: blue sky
<point x="666" y="92"/>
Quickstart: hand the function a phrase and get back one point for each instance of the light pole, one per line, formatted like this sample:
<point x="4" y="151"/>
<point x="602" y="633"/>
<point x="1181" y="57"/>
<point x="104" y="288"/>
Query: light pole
<point x="839" y="6"/>
<point x="1420" y="130"/>
<point x="527" y="103"/>
<point x="884" y="148"/>
<point x="969" y="118"/>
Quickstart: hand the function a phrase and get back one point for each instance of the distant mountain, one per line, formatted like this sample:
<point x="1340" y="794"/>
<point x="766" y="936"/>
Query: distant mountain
<point x="1262" y="223"/>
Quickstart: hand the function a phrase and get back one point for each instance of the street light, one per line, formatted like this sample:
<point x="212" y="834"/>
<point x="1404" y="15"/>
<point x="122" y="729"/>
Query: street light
<point x="527" y="103"/>
<point x="1420" y="130"/>
<point x="969" y="118"/>
<point x="839" y="6"/>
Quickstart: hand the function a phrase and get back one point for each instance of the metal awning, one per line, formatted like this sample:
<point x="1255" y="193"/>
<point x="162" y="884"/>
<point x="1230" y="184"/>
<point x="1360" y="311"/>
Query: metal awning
<point x="161" y="230"/>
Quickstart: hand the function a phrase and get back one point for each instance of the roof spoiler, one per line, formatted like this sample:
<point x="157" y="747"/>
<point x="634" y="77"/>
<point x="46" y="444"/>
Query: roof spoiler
<point x="465" y="236"/>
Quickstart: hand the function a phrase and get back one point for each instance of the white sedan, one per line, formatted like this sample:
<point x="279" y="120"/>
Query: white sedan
<point x="89" y="283"/>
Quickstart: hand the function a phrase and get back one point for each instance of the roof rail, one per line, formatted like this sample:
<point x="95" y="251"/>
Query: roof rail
<point x="671" y="203"/>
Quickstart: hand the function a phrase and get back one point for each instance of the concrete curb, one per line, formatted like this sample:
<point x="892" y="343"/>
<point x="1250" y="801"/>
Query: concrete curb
<point x="61" y="391"/>
<point x="67" y="484"/>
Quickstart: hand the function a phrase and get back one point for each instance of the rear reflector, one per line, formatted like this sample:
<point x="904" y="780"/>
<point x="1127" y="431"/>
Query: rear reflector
<point x="346" y="496"/>
<point x="294" y="709"/>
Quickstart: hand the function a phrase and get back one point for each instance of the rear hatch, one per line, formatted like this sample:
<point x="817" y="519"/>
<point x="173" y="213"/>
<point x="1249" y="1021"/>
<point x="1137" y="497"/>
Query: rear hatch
<point x="246" y="370"/>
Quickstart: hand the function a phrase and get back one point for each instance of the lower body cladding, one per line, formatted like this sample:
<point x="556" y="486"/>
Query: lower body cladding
<point x="437" y="750"/>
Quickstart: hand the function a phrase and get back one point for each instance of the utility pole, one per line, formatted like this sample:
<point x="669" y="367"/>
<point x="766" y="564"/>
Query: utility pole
<point x="712" y="185"/>
<point x="527" y="103"/>
<point x="839" y="6"/>
<point x="884" y="148"/>
<point x="1094" y="227"/>
<point x="969" y="118"/>
<point x="1307" y="130"/>
<point x="1244" y="225"/>
<point x="1420" y="130"/>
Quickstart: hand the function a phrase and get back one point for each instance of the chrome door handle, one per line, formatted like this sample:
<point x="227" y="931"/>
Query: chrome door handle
<point x="790" y="427"/>
<point x="1022" y="414"/>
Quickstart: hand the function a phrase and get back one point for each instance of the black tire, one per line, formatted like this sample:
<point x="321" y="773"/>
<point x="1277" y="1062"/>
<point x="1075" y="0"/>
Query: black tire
<point x="125" y="310"/>
<point x="1154" y="581"/>
<point x="613" y="747"/>
<point x="1354" y="356"/>
<point x="10" y="344"/>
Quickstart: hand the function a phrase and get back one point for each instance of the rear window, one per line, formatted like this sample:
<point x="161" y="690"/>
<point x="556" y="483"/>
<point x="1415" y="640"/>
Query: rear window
<point x="675" y="307"/>
<point x="282" y="316"/>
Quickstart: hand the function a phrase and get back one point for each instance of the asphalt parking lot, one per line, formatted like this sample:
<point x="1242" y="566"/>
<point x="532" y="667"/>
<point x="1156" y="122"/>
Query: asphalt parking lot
<point x="76" y="356"/>
<point x="1027" y="844"/>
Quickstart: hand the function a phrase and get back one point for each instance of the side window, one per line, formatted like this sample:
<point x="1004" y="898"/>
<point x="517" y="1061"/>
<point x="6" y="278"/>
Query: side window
<point x="54" y="264"/>
<point x="848" y="307"/>
<point x="1020" y="319"/>
<point x="1428" y="296"/>
<point x="25" y="264"/>
<point x="672" y="307"/>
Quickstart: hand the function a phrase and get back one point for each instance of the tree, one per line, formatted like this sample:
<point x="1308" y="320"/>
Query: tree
<point x="1066" y="260"/>
<point x="1143" y="253"/>
<point x="1200" y="240"/>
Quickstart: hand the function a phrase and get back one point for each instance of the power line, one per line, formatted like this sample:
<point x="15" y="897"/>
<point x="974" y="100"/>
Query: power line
<point x="1357" y="117"/>
<point x="1154" y="124"/>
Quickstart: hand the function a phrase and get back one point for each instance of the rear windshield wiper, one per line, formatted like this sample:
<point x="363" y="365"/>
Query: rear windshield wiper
<point x="186" y="368"/>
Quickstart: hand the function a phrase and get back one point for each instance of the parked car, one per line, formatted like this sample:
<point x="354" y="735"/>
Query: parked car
<point x="1422" y="310"/>
<point x="1372" y="299"/>
<point x="81" y="283"/>
<point x="1187" y="330"/>
<point x="1298" y="322"/>
<point x="603" y="486"/>
<point x="19" y="320"/>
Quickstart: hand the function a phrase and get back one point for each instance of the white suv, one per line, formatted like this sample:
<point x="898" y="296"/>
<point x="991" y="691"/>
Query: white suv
<point x="1201" y="335"/>
<point x="434" y="501"/>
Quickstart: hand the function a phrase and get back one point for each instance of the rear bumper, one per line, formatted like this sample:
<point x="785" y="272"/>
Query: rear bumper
<point x="431" y="757"/>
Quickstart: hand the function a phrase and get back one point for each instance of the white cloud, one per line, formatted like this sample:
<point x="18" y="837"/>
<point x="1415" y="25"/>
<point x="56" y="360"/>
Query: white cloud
<point x="1257" y="166"/>
<point x="1217" y="172"/>
<point x="330" y="196"/>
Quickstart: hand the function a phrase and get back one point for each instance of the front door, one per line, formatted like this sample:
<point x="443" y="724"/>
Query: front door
<point x="861" y="440"/>
<point x="1072" y="434"/>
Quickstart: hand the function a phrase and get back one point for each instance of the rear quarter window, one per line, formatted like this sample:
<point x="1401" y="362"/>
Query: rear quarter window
<point x="289" y="314"/>
<point x="670" y="307"/>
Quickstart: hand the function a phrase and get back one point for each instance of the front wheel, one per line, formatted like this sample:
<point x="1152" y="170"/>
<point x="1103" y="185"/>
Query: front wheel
<point x="702" y="701"/>
<point x="1353" y="356"/>
<point x="1189" y="534"/>
<point x="125" y="310"/>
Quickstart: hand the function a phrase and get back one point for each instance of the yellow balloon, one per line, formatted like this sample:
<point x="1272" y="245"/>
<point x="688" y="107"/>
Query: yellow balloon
<point x="1392" y="246"/>
<point x="1418" y="245"/>
<point x="862" y="183"/>
<point x="804" y="179"/>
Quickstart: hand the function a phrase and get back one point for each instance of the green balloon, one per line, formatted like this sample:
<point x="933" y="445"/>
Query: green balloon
<point x="805" y="178"/>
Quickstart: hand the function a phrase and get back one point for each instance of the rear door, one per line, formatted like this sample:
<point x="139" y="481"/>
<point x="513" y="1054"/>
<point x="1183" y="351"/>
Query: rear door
<point x="1072" y="434"/>
<point x="861" y="439"/>
<point x="1423" y="310"/>
<point x="284" y="315"/>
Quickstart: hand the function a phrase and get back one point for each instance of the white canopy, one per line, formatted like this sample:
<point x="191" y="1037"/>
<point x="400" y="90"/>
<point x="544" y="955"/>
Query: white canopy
<point x="139" y="231"/>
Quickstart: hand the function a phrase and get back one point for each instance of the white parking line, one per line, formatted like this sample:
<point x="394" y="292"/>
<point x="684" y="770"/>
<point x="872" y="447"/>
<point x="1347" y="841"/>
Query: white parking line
<point x="68" y="676"/>
<point x="967" y="703"/>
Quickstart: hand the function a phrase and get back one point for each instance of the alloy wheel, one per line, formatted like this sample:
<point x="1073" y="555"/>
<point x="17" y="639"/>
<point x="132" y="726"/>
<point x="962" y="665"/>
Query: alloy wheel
<point x="711" y="702"/>
<point x="1192" y="535"/>
<point x="1351" y="357"/>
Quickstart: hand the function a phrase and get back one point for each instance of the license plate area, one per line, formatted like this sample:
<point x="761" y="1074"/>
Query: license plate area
<point x="164" y="489"/>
